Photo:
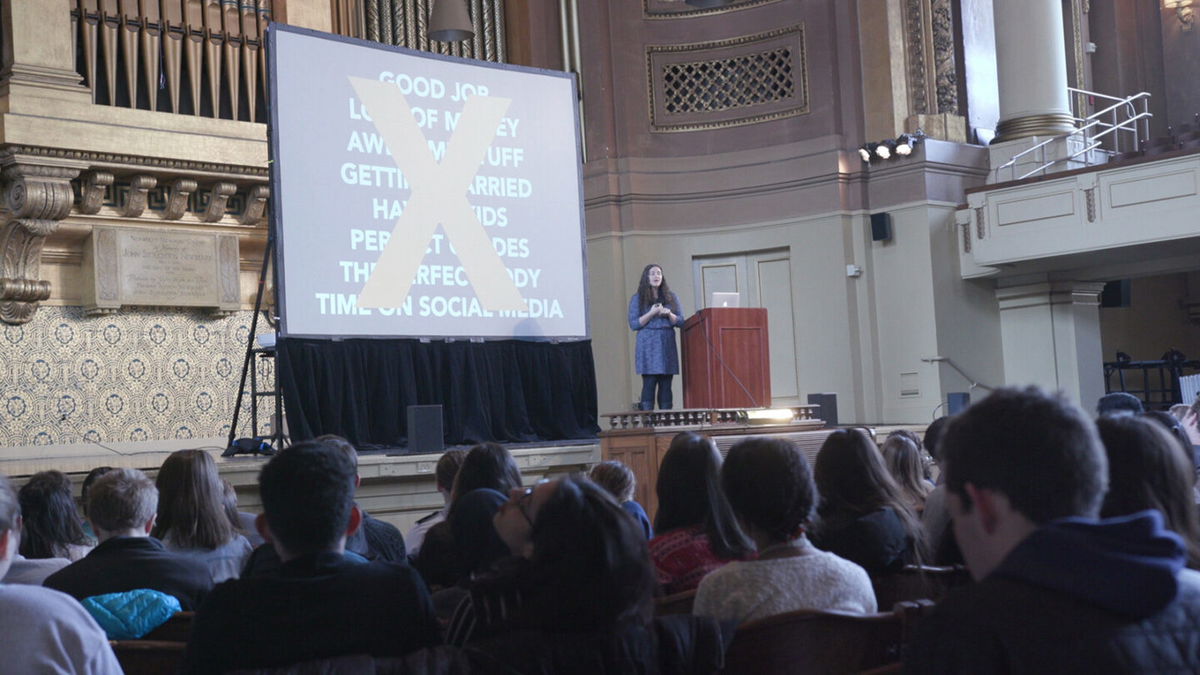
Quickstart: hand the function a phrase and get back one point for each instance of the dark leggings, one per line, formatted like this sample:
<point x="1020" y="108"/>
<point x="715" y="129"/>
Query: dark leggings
<point x="663" y="382"/>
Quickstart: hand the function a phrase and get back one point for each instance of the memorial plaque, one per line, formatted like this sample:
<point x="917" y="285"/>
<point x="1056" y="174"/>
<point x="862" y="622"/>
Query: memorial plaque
<point x="160" y="268"/>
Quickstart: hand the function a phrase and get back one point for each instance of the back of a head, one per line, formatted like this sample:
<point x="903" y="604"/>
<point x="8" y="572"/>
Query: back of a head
<point x="52" y="521"/>
<point x="487" y="465"/>
<point x="88" y="481"/>
<point x="851" y="476"/>
<point x="1038" y="449"/>
<point x="591" y="560"/>
<point x="346" y="447"/>
<point x="1148" y="469"/>
<point x="770" y="486"/>
<point x="191" y="502"/>
<point x="307" y="493"/>
<point x="690" y="495"/>
<point x="933" y="437"/>
<point x="121" y="500"/>
<point x="1180" y="410"/>
<point x="903" y="461"/>
<point x="447" y="468"/>
<point x="615" y="477"/>
<point x="1119" y="403"/>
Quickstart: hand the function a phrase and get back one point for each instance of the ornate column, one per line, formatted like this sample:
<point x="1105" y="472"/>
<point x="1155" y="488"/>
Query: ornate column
<point x="37" y="195"/>
<point x="1050" y="333"/>
<point x="1032" y="68"/>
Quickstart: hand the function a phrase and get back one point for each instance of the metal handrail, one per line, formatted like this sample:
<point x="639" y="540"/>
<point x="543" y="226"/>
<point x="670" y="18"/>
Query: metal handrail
<point x="1129" y="124"/>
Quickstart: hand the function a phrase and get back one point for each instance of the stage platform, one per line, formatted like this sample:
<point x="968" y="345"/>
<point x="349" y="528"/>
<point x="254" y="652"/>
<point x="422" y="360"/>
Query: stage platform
<point x="397" y="488"/>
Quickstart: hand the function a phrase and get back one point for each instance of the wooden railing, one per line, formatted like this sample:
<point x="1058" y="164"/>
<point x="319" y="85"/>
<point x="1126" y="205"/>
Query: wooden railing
<point x="198" y="57"/>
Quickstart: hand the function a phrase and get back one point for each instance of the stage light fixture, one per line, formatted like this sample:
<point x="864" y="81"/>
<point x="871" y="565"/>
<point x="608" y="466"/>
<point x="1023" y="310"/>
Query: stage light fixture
<point x="883" y="149"/>
<point x="907" y="143"/>
<point x="449" y="21"/>
<point x="865" y="152"/>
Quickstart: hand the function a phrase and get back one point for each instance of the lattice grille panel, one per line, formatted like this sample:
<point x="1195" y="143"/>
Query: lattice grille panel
<point x="724" y="84"/>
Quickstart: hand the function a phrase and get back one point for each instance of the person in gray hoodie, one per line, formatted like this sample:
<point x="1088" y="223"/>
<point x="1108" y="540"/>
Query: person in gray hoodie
<point x="1058" y="590"/>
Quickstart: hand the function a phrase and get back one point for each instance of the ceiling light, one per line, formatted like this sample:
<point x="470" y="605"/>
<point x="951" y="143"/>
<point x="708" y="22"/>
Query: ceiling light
<point x="449" y="21"/>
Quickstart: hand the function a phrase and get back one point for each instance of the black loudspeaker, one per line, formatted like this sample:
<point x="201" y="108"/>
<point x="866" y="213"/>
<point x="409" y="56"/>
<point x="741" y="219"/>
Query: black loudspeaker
<point x="425" y="430"/>
<point x="957" y="401"/>
<point x="828" y="411"/>
<point x="881" y="227"/>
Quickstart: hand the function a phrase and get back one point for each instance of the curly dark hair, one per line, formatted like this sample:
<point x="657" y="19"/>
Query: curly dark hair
<point x="770" y="486"/>
<point x="647" y="294"/>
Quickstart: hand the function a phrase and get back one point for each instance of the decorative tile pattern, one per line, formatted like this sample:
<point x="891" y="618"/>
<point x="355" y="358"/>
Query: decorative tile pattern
<point x="140" y="375"/>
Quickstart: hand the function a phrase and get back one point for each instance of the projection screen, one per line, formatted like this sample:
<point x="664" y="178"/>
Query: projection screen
<point x="416" y="195"/>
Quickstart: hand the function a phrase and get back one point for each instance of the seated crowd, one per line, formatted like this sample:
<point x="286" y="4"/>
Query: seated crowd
<point x="1081" y="536"/>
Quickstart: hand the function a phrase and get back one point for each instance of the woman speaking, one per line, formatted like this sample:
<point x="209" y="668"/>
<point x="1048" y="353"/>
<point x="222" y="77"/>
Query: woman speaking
<point x="654" y="313"/>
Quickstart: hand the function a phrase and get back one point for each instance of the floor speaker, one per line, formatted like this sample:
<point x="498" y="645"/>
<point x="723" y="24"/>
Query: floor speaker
<point x="957" y="401"/>
<point x="828" y="411"/>
<point x="425" y="430"/>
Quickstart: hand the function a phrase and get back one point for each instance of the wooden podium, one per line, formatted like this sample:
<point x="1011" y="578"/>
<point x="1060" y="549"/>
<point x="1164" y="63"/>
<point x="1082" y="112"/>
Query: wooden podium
<point x="722" y="346"/>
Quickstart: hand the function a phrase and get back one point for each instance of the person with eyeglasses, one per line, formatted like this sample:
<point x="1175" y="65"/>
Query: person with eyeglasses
<point x="576" y="594"/>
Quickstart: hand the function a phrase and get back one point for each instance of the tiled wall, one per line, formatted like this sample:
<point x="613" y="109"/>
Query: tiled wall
<point x="139" y="375"/>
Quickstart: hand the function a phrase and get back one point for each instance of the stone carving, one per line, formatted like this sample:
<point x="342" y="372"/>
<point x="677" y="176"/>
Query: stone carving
<point x="966" y="236"/>
<point x="945" y="65"/>
<point x="256" y="205"/>
<point x="92" y="187"/>
<point x="139" y="189"/>
<point x="933" y="87"/>
<point x="217" y="200"/>
<point x="1090" y="196"/>
<point x="914" y="28"/>
<point x="177" y="200"/>
<point x="980" y="223"/>
<point x="37" y="197"/>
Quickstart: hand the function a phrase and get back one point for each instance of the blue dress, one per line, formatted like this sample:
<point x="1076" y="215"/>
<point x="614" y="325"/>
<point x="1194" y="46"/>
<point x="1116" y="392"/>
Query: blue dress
<point x="656" y="353"/>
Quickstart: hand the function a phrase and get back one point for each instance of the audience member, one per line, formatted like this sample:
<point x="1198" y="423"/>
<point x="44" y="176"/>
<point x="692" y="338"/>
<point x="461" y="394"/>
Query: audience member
<point x="1148" y="469"/>
<point x="863" y="516"/>
<point x="83" y="496"/>
<point x="771" y="490"/>
<point x="52" y="526"/>
<point x="1191" y="425"/>
<point x="935" y="519"/>
<point x="375" y="539"/>
<point x="243" y="521"/>
<point x="317" y="605"/>
<point x="1119" y="403"/>
<point x="192" y="519"/>
<point x="31" y="571"/>
<point x="620" y="482"/>
<point x="903" y="460"/>
<point x="576" y="596"/>
<point x="122" y="506"/>
<point x="43" y="631"/>
<point x="467" y="542"/>
<point x="696" y="531"/>
<point x="1058" y="590"/>
<point x="1180" y="410"/>
<point x="444" y="474"/>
